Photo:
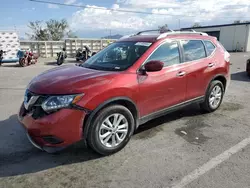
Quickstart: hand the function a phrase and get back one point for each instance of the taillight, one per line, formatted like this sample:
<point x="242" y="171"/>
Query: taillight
<point x="227" y="56"/>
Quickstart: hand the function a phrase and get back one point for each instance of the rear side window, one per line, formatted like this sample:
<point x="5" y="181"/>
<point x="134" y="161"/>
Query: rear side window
<point x="209" y="46"/>
<point x="193" y="50"/>
<point x="167" y="53"/>
<point x="221" y="46"/>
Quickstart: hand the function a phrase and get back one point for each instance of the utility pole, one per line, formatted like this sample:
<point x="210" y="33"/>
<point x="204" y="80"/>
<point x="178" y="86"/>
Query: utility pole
<point x="179" y="24"/>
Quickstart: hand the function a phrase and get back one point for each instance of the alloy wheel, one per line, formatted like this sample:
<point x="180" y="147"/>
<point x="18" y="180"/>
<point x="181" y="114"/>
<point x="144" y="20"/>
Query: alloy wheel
<point x="113" y="130"/>
<point x="215" y="97"/>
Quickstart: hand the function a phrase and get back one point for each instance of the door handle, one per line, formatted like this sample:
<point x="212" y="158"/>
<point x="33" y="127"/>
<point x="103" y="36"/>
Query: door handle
<point x="181" y="73"/>
<point x="211" y="64"/>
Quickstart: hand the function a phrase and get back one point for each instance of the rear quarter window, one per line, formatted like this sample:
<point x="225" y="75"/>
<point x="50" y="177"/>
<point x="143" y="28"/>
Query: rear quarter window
<point x="210" y="47"/>
<point x="221" y="46"/>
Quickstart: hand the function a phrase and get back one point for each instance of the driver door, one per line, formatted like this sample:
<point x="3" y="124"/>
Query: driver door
<point x="163" y="89"/>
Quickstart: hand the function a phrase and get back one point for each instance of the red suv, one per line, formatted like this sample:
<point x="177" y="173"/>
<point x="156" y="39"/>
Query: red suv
<point x="134" y="80"/>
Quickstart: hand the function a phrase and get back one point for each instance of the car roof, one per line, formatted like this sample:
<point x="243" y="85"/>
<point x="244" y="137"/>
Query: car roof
<point x="140" y="38"/>
<point x="176" y="35"/>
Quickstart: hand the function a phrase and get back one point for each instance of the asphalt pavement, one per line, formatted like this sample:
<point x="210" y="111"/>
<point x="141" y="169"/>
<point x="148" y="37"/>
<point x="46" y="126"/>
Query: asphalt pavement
<point x="183" y="149"/>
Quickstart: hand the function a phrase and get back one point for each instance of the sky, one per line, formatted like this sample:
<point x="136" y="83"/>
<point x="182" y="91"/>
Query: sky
<point x="92" y="23"/>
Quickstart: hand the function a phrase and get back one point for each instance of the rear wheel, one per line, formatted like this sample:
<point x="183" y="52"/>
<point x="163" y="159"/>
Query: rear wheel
<point x="111" y="130"/>
<point x="214" y="96"/>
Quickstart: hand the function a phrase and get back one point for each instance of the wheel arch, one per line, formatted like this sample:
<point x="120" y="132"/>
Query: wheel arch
<point x="219" y="77"/>
<point x="124" y="101"/>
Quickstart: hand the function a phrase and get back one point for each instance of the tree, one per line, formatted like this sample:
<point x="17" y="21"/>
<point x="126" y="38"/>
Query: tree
<point x="38" y="32"/>
<point x="196" y="24"/>
<point x="70" y="34"/>
<point x="163" y="28"/>
<point x="52" y="30"/>
<point x="237" y="21"/>
<point x="241" y="21"/>
<point x="57" y="29"/>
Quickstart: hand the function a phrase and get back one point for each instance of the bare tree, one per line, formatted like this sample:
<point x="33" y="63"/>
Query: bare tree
<point x="163" y="28"/>
<point x="57" y="29"/>
<point x="52" y="30"/>
<point x="38" y="32"/>
<point x="196" y="24"/>
<point x="241" y="21"/>
<point x="237" y="21"/>
<point x="70" y="34"/>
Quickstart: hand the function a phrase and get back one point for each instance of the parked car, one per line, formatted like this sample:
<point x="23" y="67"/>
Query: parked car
<point x="104" y="100"/>
<point x="248" y="67"/>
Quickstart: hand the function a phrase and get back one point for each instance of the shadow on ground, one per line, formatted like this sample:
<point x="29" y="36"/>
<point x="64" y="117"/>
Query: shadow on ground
<point x="66" y="62"/>
<point x="240" y="76"/>
<point x="18" y="156"/>
<point x="11" y="65"/>
<point x="154" y="125"/>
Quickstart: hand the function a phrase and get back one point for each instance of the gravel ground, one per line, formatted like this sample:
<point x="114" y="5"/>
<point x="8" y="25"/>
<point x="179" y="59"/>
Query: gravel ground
<point x="158" y="155"/>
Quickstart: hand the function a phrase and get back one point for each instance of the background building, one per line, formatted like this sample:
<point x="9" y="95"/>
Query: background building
<point x="234" y="37"/>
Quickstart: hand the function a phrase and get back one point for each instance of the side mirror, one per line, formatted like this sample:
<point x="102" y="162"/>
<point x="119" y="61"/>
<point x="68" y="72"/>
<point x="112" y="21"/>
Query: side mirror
<point x="153" y="66"/>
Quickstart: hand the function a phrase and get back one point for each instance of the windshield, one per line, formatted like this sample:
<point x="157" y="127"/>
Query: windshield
<point x="117" y="56"/>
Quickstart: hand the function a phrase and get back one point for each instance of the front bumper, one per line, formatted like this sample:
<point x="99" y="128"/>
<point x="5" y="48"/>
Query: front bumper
<point x="53" y="131"/>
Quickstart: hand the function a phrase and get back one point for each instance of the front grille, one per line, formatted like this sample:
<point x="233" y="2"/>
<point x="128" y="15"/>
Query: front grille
<point x="35" y="109"/>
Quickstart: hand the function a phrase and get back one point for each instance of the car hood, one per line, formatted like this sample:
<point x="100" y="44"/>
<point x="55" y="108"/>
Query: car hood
<point x="67" y="80"/>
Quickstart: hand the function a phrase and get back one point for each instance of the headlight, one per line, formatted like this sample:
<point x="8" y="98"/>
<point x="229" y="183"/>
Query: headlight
<point x="61" y="101"/>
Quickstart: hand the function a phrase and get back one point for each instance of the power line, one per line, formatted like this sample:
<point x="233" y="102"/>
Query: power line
<point x="99" y="8"/>
<point x="120" y="10"/>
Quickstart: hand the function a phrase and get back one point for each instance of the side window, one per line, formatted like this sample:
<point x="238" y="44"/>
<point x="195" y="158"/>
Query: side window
<point x="168" y="53"/>
<point x="193" y="50"/>
<point x="210" y="47"/>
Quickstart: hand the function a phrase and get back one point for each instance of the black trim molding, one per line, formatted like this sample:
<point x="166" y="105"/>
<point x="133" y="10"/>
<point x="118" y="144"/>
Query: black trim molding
<point x="170" y="109"/>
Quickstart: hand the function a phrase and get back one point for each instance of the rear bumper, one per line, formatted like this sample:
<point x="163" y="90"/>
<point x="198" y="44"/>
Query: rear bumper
<point x="54" y="131"/>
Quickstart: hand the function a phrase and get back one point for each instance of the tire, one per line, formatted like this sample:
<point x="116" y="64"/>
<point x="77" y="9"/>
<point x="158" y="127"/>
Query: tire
<point x="23" y="62"/>
<point x="206" y="106"/>
<point x="96" y="130"/>
<point x="59" y="61"/>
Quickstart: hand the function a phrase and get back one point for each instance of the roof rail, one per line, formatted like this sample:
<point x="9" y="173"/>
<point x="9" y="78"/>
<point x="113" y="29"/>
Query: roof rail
<point x="188" y="30"/>
<point x="127" y="36"/>
<point x="163" y="35"/>
<point x="153" y="30"/>
<point x="169" y="32"/>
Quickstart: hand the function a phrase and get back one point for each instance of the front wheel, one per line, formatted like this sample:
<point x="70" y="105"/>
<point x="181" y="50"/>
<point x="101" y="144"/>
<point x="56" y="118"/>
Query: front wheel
<point x="23" y="62"/>
<point x="60" y="61"/>
<point x="111" y="130"/>
<point x="213" y="96"/>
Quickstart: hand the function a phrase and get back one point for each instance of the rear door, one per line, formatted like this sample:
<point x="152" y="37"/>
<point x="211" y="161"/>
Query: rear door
<point x="199" y="64"/>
